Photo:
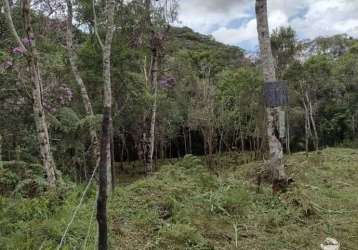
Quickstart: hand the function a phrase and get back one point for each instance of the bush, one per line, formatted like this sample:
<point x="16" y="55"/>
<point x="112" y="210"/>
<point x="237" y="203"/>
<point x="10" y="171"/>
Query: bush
<point x="22" y="179"/>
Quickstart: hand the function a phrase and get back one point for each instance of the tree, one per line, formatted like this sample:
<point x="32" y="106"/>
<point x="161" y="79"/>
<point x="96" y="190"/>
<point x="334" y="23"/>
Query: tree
<point x="156" y="39"/>
<point x="279" y="177"/>
<point x="105" y="153"/>
<point x="83" y="90"/>
<point x="284" y="48"/>
<point x="28" y="47"/>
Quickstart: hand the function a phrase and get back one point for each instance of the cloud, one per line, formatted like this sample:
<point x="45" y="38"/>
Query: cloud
<point x="326" y="18"/>
<point x="247" y="32"/>
<point x="233" y="21"/>
<point x="203" y="16"/>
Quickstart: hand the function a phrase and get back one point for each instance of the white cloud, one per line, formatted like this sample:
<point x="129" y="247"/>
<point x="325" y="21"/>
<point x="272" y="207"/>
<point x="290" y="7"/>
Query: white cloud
<point x="325" y="18"/>
<point x="247" y="32"/>
<point x="203" y="16"/>
<point x="233" y="21"/>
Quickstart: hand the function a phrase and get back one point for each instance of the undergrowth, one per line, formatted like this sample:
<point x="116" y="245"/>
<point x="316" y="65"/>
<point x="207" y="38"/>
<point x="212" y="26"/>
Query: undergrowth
<point x="186" y="206"/>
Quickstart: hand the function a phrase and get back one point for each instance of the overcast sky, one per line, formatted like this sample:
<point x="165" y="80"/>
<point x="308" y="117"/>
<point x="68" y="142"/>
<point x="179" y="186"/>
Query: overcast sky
<point x="233" y="21"/>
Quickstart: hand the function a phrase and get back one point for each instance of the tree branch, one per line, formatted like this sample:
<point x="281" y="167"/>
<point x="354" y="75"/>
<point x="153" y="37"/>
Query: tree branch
<point x="96" y="25"/>
<point x="12" y="26"/>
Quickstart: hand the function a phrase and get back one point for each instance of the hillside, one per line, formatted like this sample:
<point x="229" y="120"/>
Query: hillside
<point x="184" y="206"/>
<point x="334" y="46"/>
<point x="184" y="39"/>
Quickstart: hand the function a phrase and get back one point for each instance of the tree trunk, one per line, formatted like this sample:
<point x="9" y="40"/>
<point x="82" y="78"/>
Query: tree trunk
<point x="154" y="66"/>
<point x="105" y="153"/>
<point x="113" y="170"/>
<point x="307" y="126"/>
<point x="310" y="109"/>
<point x="102" y="193"/>
<point x="1" y="163"/>
<point x="190" y="142"/>
<point x="353" y="126"/>
<point x="154" y="75"/>
<point x="242" y="141"/>
<point x="288" y="135"/>
<point x="39" y="113"/>
<point x="185" y="143"/>
<point x="83" y="90"/>
<point x="279" y="177"/>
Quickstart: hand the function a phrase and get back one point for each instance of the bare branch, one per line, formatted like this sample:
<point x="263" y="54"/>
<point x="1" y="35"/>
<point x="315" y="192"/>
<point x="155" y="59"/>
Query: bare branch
<point x="96" y="25"/>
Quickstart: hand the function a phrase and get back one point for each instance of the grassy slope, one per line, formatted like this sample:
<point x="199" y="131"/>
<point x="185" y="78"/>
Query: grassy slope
<point x="183" y="206"/>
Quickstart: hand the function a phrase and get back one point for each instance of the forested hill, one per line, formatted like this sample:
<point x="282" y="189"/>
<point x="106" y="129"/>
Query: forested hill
<point x="335" y="46"/>
<point x="184" y="38"/>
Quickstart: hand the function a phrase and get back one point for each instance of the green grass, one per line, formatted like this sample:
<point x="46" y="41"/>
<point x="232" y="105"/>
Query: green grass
<point x="186" y="206"/>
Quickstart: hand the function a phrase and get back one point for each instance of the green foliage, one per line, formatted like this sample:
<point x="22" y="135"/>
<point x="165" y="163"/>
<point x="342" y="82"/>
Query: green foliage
<point x="190" y="162"/>
<point x="181" y="236"/>
<point x="88" y="122"/>
<point x="66" y="120"/>
<point x="22" y="179"/>
<point x="173" y="209"/>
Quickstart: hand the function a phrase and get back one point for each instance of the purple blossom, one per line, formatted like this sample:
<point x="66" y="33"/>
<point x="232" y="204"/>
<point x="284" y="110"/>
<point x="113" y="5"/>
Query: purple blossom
<point x="26" y="40"/>
<point x="18" y="50"/>
<point x="167" y="82"/>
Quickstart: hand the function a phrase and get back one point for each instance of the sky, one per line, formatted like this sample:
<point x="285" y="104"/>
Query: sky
<point x="233" y="22"/>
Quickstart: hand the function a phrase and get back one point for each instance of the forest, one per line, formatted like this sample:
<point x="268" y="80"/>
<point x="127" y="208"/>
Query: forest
<point x="120" y="129"/>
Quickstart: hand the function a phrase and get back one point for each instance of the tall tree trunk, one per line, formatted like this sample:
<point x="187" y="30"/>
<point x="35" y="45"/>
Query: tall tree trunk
<point x="353" y="126"/>
<point x="310" y="109"/>
<point x="105" y="153"/>
<point x="185" y="143"/>
<point x="113" y="170"/>
<point x="288" y="135"/>
<point x="242" y="140"/>
<point x="190" y="142"/>
<point x="307" y="126"/>
<point x="154" y="66"/>
<point x="1" y="163"/>
<point x="154" y="75"/>
<point x="279" y="177"/>
<point x="83" y="90"/>
<point x="39" y="113"/>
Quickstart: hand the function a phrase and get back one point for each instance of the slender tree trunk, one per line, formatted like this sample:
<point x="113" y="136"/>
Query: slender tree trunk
<point x="1" y="163"/>
<point x="102" y="194"/>
<point x="83" y="90"/>
<point x="39" y="113"/>
<point x="288" y="135"/>
<point x="307" y="126"/>
<point x="123" y="146"/>
<point x="153" y="82"/>
<point x="113" y="170"/>
<point x="221" y="140"/>
<point x="242" y="141"/>
<point x="154" y="75"/>
<point x="185" y="143"/>
<point x="310" y="109"/>
<point x="279" y="176"/>
<point x="190" y="142"/>
<point x="105" y="153"/>
<point x="353" y="126"/>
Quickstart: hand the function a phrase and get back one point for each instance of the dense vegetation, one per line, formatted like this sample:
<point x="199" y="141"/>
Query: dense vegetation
<point x="185" y="206"/>
<point x="192" y="104"/>
<point x="209" y="98"/>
